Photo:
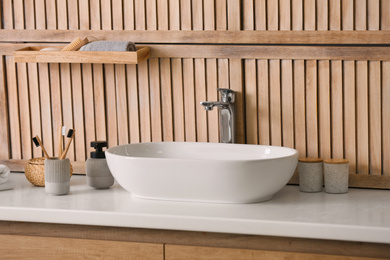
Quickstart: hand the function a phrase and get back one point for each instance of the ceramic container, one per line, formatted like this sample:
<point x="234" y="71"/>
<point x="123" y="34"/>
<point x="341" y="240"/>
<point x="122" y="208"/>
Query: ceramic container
<point x="311" y="178"/>
<point x="57" y="177"/>
<point x="336" y="174"/>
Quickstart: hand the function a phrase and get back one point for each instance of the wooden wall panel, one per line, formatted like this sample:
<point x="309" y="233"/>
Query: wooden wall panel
<point x="324" y="106"/>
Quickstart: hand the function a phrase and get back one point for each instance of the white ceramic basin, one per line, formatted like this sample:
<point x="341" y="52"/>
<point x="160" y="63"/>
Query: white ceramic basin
<point x="202" y="172"/>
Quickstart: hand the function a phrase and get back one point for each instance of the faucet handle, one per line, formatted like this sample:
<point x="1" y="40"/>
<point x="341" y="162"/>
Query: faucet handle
<point x="227" y="95"/>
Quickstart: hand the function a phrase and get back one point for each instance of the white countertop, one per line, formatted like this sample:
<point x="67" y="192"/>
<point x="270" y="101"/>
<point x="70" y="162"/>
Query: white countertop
<point x="360" y="215"/>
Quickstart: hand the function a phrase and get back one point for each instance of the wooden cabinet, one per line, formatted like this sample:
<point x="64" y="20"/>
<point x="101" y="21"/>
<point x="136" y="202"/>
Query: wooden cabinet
<point x="38" y="247"/>
<point x="177" y="252"/>
<point x="21" y="240"/>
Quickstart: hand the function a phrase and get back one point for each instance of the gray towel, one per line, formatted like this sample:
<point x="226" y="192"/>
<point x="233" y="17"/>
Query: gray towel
<point x="5" y="182"/>
<point x="109" y="46"/>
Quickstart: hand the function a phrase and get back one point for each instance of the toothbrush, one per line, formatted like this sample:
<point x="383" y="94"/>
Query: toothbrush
<point x="71" y="136"/>
<point x="38" y="143"/>
<point x="62" y="133"/>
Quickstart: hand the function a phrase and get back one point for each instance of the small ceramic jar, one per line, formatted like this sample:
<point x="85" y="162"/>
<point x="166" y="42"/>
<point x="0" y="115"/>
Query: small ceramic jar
<point x="57" y="177"/>
<point x="310" y="174"/>
<point x="336" y="173"/>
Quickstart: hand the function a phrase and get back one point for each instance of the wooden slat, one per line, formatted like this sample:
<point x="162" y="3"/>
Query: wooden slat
<point x="18" y="14"/>
<point x="287" y="103"/>
<point x="117" y="15"/>
<point x="105" y="15"/>
<point x="155" y="100"/>
<point x="197" y="15"/>
<point x="189" y="100"/>
<point x="111" y="110"/>
<point x="133" y="104"/>
<point x="51" y="12"/>
<point x="297" y="15"/>
<point x="334" y="15"/>
<point x="263" y="111"/>
<point x="236" y="84"/>
<point x="324" y="123"/>
<point x="275" y="102"/>
<point x="260" y="15"/>
<point x="73" y="15"/>
<point x="349" y="114"/>
<point x="285" y="15"/>
<point x="200" y="37"/>
<point x="251" y="102"/>
<point x="78" y="112"/>
<point x="40" y="14"/>
<point x="220" y="15"/>
<point x="128" y="15"/>
<point x="67" y="105"/>
<point x="35" y="105"/>
<point x="84" y="14"/>
<point x="362" y="115"/>
<point x="95" y="14"/>
<point x="62" y="11"/>
<point x="162" y="14"/>
<point x="178" y="100"/>
<point x="166" y="98"/>
<point x="309" y="15"/>
<point x="46" y="115"/>
<point x="337" y="110"/>
<point x="273" y="15"/>
<point x="144" y="102"/>
<point x="56" y="106"/>
<point x="234" y="15"/>
<point x="271" y="52"/>
<point x="322" y="11"/>
<point x="151" y="14"/>
<point x="4" y="121"/>
<point x="209" y="15"/>
<point x="385" y="117"/>
<point x="99" y="101"/>
<point x="174" y="14"/>
<point x="361" y="14"/>
<point x="121" y="104"/>
<point x="212" y="83"/>
<point x="300" y="107"/>
<point x="29" y="14"/>
<point x="375" y="117"/>
<point x="311" y="109"/>
<point x="185" y="15"/>
<point x="347" y="8"/>
<point x="24" y="108"/>
<point x="200" y="95"/>
<point x="373" y="10"/>
<point x="89" y="112"/>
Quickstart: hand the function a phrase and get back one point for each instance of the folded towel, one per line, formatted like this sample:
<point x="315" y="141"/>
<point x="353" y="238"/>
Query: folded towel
<point x="5" y="183"/>
<point x="109" y="46"/>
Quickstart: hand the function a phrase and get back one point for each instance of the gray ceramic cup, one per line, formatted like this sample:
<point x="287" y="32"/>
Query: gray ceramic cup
<point x="57" y="176"/>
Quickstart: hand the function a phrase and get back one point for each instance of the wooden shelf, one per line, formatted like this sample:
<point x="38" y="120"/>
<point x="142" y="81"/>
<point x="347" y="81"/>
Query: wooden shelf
<point x="33" y="54"/>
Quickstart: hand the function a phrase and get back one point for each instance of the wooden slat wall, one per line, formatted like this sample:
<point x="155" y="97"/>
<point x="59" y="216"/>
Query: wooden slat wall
<point x="325" y="107"/>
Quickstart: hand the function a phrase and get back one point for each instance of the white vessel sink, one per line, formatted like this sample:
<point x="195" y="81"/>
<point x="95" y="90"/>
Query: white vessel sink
<point x="202" y="172"/>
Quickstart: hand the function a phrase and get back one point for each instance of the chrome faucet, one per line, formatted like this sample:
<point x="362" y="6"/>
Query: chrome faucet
<point x="227" y="129"/>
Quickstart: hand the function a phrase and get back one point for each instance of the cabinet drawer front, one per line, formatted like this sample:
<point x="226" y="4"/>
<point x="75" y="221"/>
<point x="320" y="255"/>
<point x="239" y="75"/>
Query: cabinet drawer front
<point x="31" y="247"/>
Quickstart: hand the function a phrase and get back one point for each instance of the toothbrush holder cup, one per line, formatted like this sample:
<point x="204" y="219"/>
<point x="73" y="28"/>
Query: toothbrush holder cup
<point x="57" y="177"/>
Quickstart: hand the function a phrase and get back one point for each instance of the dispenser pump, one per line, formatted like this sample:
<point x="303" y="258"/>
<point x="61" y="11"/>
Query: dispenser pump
<point x="99" y="153"/>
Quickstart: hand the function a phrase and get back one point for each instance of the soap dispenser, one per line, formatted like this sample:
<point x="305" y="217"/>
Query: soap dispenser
<point x="98" y="173"/>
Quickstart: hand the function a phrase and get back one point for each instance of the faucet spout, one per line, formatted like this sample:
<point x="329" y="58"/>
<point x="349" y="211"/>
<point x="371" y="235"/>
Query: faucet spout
<point x="226" y="114"/>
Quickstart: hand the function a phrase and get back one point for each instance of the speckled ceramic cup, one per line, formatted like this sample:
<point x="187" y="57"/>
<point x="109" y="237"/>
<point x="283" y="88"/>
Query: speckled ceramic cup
<point x="57" y="177"/>
<point x="310" y="174"/>
<point x="336" y="174"/>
